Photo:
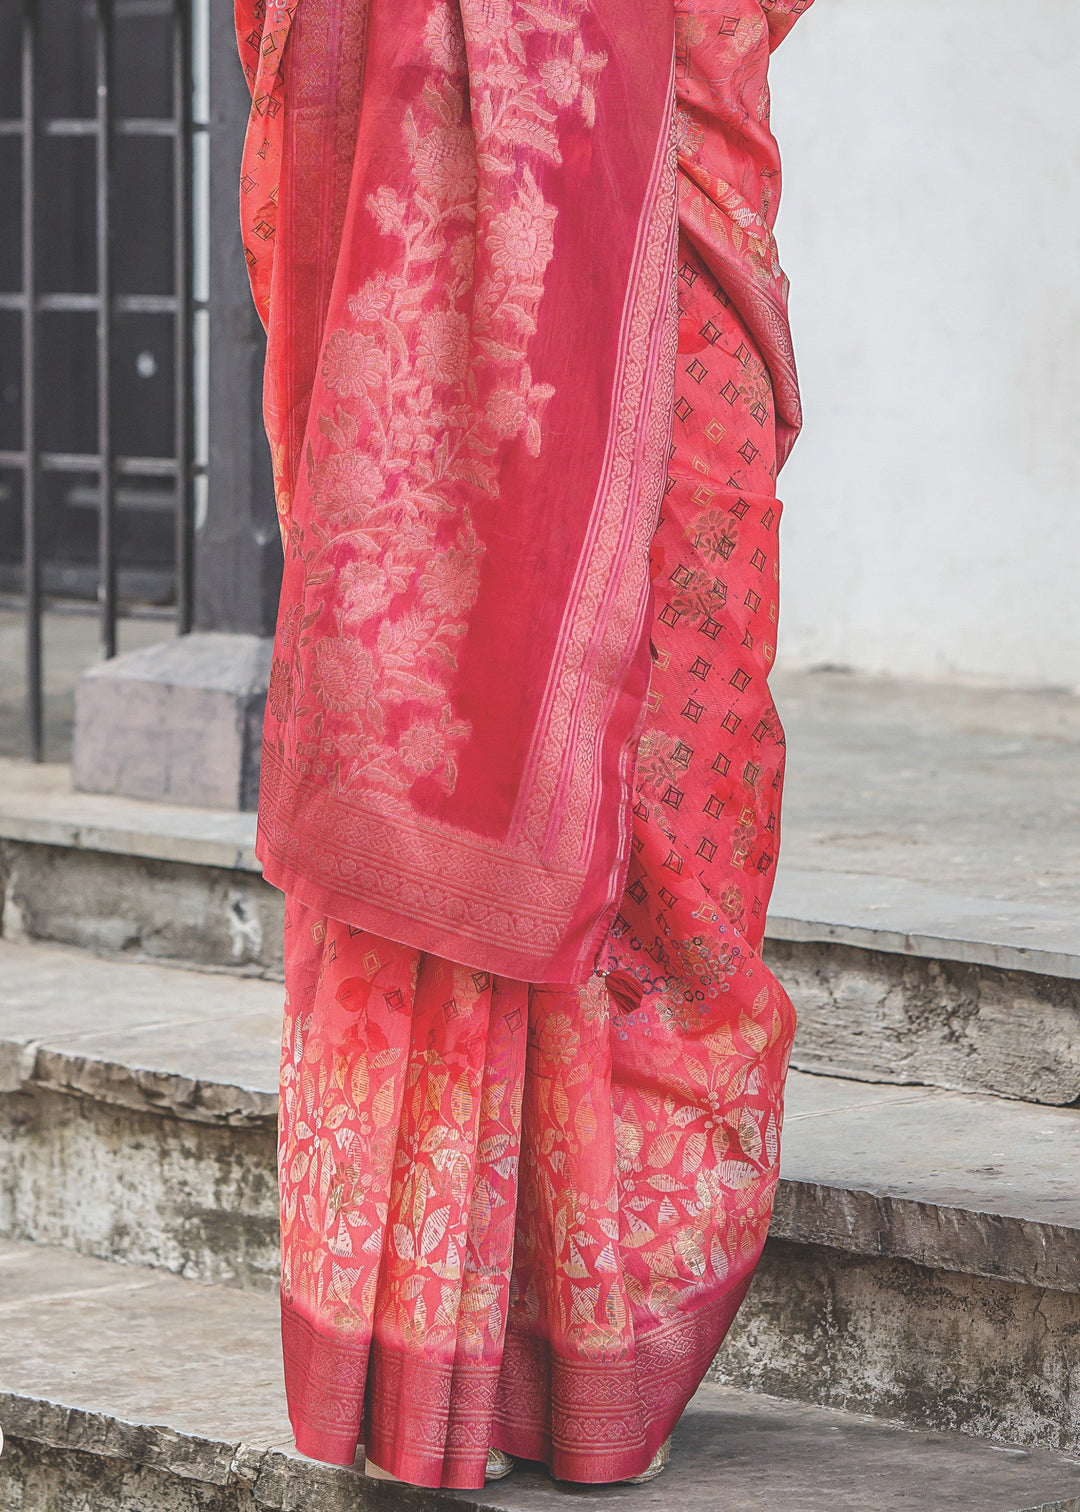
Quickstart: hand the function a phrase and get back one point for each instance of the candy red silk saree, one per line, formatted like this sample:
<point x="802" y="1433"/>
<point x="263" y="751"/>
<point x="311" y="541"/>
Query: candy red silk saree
<point x="529" y="383"/>
<point x="460" y="224"/>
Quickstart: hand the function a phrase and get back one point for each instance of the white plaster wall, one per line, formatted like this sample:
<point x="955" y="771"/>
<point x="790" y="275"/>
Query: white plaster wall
<point x="931" y="228"/>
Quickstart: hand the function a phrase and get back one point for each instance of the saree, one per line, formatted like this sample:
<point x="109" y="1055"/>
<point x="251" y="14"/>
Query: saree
<point x="529" y="384"/>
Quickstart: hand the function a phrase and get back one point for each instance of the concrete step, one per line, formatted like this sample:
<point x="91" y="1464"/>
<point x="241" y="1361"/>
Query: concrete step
<point x="900" y="980"/>
<point x="116" y="875"/>
<point x="138" y="1105"/>
<point x="924" y="1258"/>
<point x="923" y="1263"/>
<point x="926" y="916"/>
<point x="124" y="1388"/>
<point x="894" y="979"/>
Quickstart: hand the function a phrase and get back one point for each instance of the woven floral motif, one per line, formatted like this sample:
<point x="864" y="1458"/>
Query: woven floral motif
<point x="445" y="528"/>
<point x="426" y="382"/>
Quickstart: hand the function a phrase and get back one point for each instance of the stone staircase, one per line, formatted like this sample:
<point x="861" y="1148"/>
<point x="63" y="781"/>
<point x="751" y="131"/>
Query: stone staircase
<point x="912" y="1340"/>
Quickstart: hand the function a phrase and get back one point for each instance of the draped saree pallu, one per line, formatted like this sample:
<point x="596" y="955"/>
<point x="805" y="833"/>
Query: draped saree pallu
<point x="528" y="387"/>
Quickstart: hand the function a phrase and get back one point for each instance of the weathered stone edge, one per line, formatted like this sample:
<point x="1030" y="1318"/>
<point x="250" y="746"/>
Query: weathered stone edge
<point x="279" y="1480"/>
<point x="920" y="945"/>
<point x="29" y="1065"/>
<point x="785" y="925"/>
<point x="88" y="1432"/>
<point x="941" y="1236"/>
<point x="152" y="845"/>
<point x="270" y="1474"/>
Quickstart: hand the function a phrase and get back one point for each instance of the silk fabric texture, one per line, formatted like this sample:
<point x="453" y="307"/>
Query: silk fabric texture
<point x="521" y="771"/>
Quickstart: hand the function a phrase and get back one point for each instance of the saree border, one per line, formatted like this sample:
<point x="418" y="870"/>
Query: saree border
<point x="621" y="525"/>
<point x="444" y="886"/>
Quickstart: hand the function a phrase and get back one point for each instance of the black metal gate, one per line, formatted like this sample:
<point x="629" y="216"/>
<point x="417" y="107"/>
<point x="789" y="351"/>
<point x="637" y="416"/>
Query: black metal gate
<point x="96" y="311"/>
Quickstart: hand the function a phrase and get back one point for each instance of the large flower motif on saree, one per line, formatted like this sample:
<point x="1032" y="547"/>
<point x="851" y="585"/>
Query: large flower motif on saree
<point x="423" y="384"/>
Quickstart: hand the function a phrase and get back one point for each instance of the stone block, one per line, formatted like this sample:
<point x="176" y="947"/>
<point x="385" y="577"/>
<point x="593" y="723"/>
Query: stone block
<point x="226" y="918"/>
<point x="108" y="1181"/>
<point x="179" y="722"/>
<point x="900" y="1018"/>
<point x="929" y="1348"/>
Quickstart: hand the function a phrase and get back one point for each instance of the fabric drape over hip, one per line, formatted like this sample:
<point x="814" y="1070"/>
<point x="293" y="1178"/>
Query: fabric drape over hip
<point x="460" y="221"/>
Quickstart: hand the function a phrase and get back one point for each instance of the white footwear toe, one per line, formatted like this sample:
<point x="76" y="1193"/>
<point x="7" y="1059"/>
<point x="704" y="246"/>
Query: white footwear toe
<point x="653" y="1468"/>
<point x="498" y="1464"/>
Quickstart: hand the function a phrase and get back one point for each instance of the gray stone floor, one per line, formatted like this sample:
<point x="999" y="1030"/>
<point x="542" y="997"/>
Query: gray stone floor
<point x="971" y="789"/>
<point x="175" y="1374"/>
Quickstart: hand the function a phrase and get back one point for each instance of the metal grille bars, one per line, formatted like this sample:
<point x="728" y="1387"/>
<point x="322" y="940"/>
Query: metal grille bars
<point x="32" y="302"/>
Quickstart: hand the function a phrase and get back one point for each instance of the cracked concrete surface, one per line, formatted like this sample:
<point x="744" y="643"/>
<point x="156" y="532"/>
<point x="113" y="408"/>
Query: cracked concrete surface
<point x="932" y="1348"/>
<point x="895" y="1018"/>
